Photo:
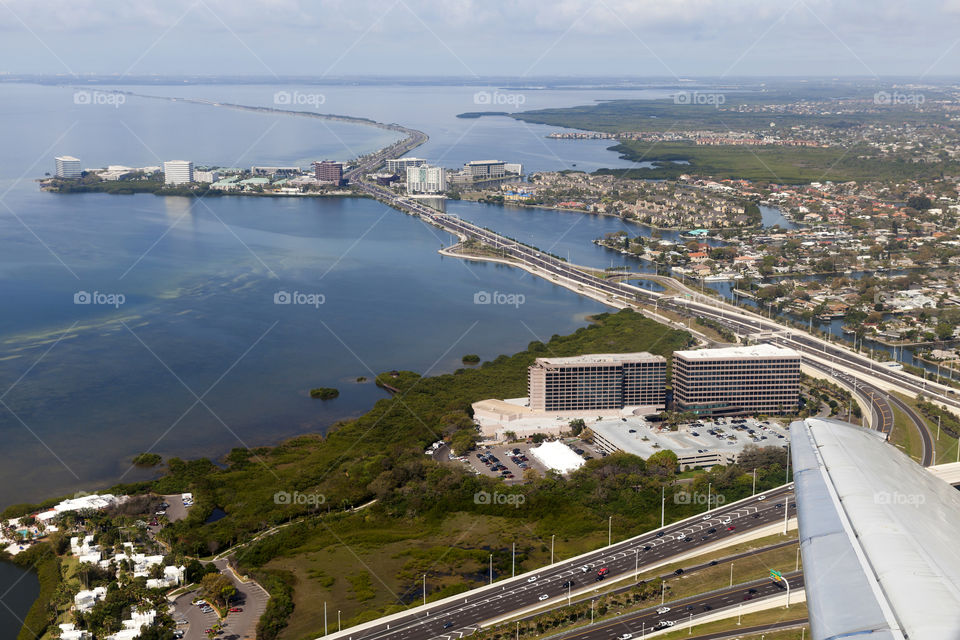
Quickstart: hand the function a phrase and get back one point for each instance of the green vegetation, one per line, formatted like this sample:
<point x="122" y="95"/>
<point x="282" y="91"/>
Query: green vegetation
<point x="765" y="163"/>
<point x="42" y="559"/>
<point x="471" y="358"/>
<point x="324" y="393"/>
<point x="615" y="116"/>
<point x="147" y="460"/>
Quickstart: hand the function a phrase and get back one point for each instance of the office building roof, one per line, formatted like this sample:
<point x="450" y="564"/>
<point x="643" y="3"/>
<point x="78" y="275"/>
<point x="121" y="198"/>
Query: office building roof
<point x="600" y="358"/>
<point x="748" y="351"/>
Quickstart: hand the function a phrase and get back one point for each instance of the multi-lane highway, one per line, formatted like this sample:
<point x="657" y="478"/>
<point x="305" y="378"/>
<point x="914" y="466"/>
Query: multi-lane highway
<point x="682" y="612"/>
<point x="692" y="303"/>
<point x="563" y="580"/>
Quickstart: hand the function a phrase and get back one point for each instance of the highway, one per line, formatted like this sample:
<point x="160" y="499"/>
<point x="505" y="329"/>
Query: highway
<point x="682" y="612"/>
<point x="621" y="559"/>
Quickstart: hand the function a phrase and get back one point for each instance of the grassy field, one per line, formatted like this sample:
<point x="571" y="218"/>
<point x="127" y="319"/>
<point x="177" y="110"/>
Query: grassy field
<point x="905" y="436"/>
<point x="945" y="448"/>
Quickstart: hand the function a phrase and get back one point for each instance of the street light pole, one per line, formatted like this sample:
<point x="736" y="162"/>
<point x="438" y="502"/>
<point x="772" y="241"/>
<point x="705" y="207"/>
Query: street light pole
<point x="663" y="592"/>
<point x="338" y="619"/>
<point x="551" y="547"/>
<point x="786" y="513"/>
<point x="754" y="492"/>
<point x="731" y="574"/>
<point x="709" y="485"/>
<point x="610" y="531"/>
<point x="513" y="561"/>
<point x="424" y="588"/>
<point x="797" y="568"/>
<point x="491" y="568"/>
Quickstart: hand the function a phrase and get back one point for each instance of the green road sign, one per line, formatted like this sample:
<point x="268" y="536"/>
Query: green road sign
<point x="776" y="575"/>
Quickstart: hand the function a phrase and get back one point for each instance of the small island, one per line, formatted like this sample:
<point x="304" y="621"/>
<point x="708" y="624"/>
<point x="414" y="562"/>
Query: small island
<point x="324" y="393"/>
<point x="470" y="358"/>
<point x="147" y="460"/>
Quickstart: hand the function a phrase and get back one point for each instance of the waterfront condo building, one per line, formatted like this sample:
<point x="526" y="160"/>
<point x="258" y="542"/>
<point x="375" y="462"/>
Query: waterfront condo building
<point x="328" y="172"/>
<point x="486" y="169"/>
<point x="68" y="167"/>
<point x="597" y="381"/>
<point x="758" y="379"/>
<point x="177" y="172"/>
<point x="399" y="166"/>
<point x="426" y="179"/>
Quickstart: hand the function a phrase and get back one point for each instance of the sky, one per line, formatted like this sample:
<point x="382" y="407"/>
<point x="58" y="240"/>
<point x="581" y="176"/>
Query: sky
<point x="475" y="38"/>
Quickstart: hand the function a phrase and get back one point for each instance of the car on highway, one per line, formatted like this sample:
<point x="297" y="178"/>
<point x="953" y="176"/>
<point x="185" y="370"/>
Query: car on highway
<point x="663" y="610"/>
<point x="604" y="571"/>
<point x="659" y="534"/>
<point x="663" y="624"/>
<point x="448" y="624"/>
<point x="679" y="572"/>
<point x="625" y="636"/>
<point x="236" y="609"/>
<point x="725" y="521"/>
<point x="731" y="528"/>
<point x="533" y="578"/>
<point x="681" y="535"/>
<point x="585" y="568"/>
<point x="706" y="517"/>
<point x="712" y="530"/>
<point x="543" y="596"/>
<point x="647" y="547"/>
<point x="761" y="497"/>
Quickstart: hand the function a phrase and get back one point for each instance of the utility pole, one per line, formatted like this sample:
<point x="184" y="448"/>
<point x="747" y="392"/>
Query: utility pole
<point x="551" y="547"/>
<point x="513" y="561"/>
<point x="731" y="574"/>
<point x="610" y="531"/>
<point x="491" y="568"/>
<point x="754" y="492"/>
<point x="424" y="589"/>
<point x="663" y="592"/>
<point x="324" y="617"/>
<point x="709" y="485"/>
<point x="338" y="619"/>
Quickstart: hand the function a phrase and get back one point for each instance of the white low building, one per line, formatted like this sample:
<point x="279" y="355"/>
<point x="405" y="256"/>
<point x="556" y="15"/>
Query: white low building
<point x="557" y="456"/>
<point x="69" y="631"/>
<point x="131" y="627"/>
<point x="84" y="600"/>
<point x="93" y="501"/>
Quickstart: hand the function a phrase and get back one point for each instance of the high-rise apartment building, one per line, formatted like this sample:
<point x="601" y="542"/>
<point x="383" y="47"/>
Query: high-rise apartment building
<point x="754" y="379"/>
<point x="177" y="172"/>
<point x="597" y="381"/>
<point x="68" y="167"/>
<point x="399" y="166"/>
<point x="486" y="169"/>
<point x="426" y="179"/>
